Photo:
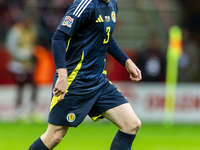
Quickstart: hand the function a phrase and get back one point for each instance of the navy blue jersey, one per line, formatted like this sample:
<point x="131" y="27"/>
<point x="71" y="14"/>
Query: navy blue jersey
<point x="90" y="23"/>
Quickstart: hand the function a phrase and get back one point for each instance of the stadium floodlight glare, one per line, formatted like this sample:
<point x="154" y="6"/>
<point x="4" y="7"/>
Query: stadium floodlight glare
<point x="173" y="54"/>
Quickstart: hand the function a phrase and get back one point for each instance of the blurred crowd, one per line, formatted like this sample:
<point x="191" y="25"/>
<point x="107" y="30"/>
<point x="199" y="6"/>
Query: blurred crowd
<point x="45" y="15"/>
<point x="26" y="28"/>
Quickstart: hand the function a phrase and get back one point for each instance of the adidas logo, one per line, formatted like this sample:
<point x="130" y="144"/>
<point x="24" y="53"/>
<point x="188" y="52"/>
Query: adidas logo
<point x="100" y="19"/>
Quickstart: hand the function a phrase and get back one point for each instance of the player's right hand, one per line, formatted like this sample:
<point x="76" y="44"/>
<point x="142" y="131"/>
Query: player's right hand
<point x="61" y="84"/>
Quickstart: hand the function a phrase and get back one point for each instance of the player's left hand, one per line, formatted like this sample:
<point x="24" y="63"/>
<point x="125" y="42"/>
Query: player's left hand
<point x="135" y="73"/>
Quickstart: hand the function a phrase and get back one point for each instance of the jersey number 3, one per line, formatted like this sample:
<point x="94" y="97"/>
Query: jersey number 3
<point x="108" y="34"/>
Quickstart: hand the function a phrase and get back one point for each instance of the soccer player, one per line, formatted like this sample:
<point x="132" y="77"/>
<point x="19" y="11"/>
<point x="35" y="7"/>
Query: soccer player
<point x="80" y="85"/>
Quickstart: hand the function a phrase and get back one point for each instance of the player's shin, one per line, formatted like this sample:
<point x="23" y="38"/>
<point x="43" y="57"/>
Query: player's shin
<point x="38" y="145"/>
<point x="122" y="141"/>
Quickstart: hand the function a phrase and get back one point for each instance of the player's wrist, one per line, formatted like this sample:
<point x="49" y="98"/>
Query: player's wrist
<point x="128" y="61"/>
<point x="62" y="72"/>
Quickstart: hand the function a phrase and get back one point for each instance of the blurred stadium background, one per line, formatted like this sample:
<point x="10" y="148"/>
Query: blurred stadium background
<point x="142" y="31"/>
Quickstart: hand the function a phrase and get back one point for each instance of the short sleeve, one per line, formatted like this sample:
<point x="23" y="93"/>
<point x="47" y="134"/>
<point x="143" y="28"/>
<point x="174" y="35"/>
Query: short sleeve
<point x="77" y="14"/>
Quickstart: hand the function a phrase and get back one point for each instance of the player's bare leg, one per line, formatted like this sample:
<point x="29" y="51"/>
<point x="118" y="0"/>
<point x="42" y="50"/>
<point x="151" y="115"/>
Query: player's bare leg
<point x="53" y="136"/>
<point x="128" y="123"/>
<point x="124" y="118"/>
<point x="50" y="139"/>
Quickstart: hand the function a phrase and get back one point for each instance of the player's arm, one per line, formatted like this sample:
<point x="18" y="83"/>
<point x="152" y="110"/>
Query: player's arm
<point x="115" y="51"/>
<point x="59" y="44"/>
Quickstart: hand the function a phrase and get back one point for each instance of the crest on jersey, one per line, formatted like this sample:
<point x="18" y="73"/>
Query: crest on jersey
<point x="68" y="21"/>
<point x="71" y="117"/>
<point x="107" y="18"/>
<point x="113" y="16"/>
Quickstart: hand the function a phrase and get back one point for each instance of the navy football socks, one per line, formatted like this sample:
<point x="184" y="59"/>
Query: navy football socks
<point x="38" y="145"/>
<point x="122" y="141"/>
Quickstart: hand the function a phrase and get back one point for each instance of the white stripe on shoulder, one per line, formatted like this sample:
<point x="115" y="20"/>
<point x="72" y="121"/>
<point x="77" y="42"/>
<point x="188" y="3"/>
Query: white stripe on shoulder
<point x="81" y="7"/>
<point x="84" y="8"/>
<point x="78" y="6"/>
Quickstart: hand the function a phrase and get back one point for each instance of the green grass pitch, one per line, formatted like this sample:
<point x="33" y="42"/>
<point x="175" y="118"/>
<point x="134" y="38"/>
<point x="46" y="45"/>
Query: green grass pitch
<point x="98" y="136"/>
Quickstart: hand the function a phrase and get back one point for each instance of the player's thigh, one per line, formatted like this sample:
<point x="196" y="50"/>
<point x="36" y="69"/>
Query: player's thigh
<point x="124" y="118"/>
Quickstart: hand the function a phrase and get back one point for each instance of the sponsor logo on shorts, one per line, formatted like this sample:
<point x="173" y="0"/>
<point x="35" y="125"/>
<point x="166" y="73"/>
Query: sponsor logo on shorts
<point x="68" y="21"/>
<point x="113" y="16"/>
<point x="71" y="117"/>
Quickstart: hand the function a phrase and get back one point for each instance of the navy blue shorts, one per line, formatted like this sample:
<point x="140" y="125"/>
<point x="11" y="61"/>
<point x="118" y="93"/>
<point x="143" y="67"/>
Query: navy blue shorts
<point x="80" y="102"/>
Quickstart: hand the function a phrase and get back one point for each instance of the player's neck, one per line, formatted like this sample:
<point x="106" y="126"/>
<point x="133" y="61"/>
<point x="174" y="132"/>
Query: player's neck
<point x="106" y="1"/>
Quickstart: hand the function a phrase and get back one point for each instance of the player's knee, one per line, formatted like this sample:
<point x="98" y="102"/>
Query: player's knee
<point x="132" y="127"/>
<point x="59" y="134"/>
<point x="57" y="138"/>
<point x="137" y="125"/>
